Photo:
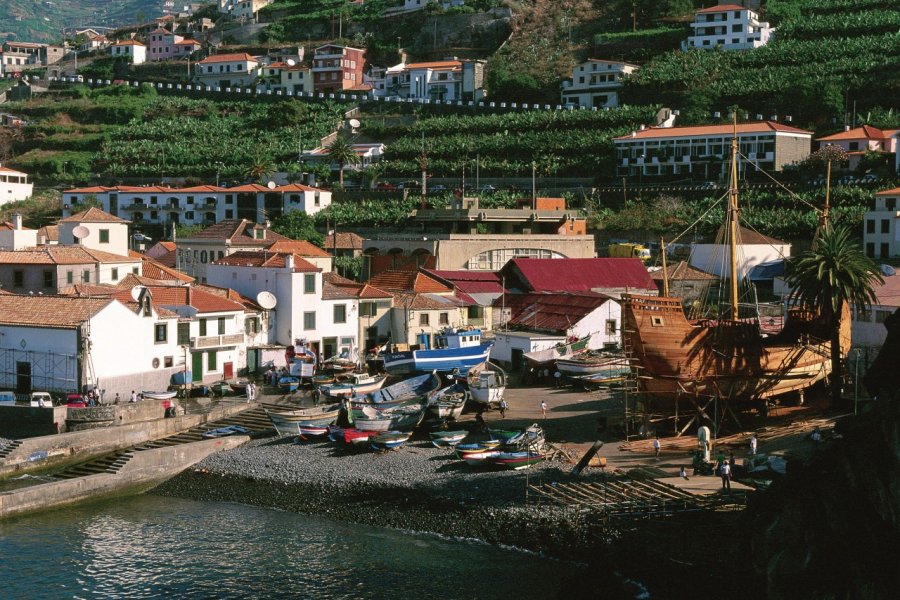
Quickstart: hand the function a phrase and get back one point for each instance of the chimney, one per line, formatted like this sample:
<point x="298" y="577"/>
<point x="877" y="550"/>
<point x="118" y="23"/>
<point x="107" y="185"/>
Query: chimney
<point x="846" y="128"/>
<point x="289" y="262"/>
<point x="17" y="221"/>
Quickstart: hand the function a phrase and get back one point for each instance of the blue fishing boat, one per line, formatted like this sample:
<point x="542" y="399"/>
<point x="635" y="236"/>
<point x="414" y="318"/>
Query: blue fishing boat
<point x="444" y="439"/>
<point x="389" y="440"/>
<point x="455" y="349"/>
<point x="413" y="390"/>
<point x="289" y="383"/>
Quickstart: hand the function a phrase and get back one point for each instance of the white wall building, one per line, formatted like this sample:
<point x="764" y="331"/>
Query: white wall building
<point x="753" y="249"/>
<point x="14" y="186"/>
<point x="199" y="205"/>
<point x="59" y="344"/>
<point x="15" y="236"/>
<point x="51" y="269"/>
<point x="596" y="83"/>
<point x="728" y="26"/>
<point x="226" y="70"/>
<point x="104" y="231"/>
<point x="440" y="80"/>
<point x="881" y="233"/>
<point x="131" y="50"/>
<point x="510" y="346"/>
<point x="242" y="9"/>
<point x="868" y="330"/>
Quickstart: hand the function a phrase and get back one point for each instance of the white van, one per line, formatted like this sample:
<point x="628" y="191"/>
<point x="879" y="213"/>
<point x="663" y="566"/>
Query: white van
<point x="41" y="399"/>
<point x="7" y="399"/>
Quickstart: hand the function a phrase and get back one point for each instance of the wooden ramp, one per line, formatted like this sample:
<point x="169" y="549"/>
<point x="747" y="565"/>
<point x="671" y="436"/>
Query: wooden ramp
<point x="636" y="498"/>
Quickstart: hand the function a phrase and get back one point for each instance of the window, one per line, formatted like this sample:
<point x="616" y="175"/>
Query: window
<point x="18" y="278"/>
<point x="340" y="313"/>
<point x="251" y="325"/>
<point x="203" y="256"/>
<point x="885" y="250"/>
<point x="870" y="225"/>
<point x="70" y="277"/>
<point x="885" y="226"/>
<point x="870" y="250"/>
<point x="114" y="274"/>
<point x="854" y="146"/>
<point x="104" y="236"/>
<point x="85" y="276"/>
<point x="309" y="320"/>
<point x="221" y="325"/>
<point x="657" y="321"/>
<point x="423" y="319"/>
<point x="367" y="309"/>
<point x="161" y="333"/>
<point x="229" y="214"/>
<point x="135" y="270"/>
<point x="444" y="318"/>
<point x="890" y="203"/>
<point x="316" y="199"/>
<point x="309" y="283"/>
<point x="202" y="327"/>
<point x="611" y="327"/>
<point x="475" y="312"/>
<point x="736" y="29"/>
<point x="184" y="334"/>
<point x="211" y="360"/>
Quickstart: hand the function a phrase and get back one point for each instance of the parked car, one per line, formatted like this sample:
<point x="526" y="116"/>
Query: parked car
<point x="869" y="178"/>
<point x="41" y="399"/>
<point x="487" y="189"/>
<point x="437" y="189"/>
<point x="386" y="186"/>
<point x="846" y="180"/>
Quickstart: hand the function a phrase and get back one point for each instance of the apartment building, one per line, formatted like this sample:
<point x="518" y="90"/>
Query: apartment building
<point x="596" y="83"/>
<point x="729" y="27"/>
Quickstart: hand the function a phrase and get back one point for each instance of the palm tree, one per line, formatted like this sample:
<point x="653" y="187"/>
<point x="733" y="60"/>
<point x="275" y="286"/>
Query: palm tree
<point x="830" y="277"/>
<point x="260" y="170"/>
<point x="341" y="151"/>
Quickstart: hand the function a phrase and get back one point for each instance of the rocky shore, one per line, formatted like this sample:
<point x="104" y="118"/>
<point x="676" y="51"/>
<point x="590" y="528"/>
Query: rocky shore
<point x="423" y="488"/>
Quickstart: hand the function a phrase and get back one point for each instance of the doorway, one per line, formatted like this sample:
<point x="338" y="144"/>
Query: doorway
<point x="228" y="370"/>
<point x="516" y="359"/>
<point x="329" y="347"/>
<point x="197" y="366"/>
<point x="23" y="377"/>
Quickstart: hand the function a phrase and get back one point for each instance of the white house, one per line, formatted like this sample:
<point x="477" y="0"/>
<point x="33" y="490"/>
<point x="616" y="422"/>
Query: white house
<point x="226" y="70"/>
<point x="194" y="253"/>
<point x="97" y="229"/>
<point x="881" y="236"/>
<point x="753" y="249"/>
<point x="50" y="269"/>
<point x="132" y="50"/>
<point x="201" y="204"/>
<point x="328" y="322"/>
<point x="60" y="344"/>
<point x="868" y="331"/>
<point x="368" y="154"/>
<point x="860" y="140"/>
<point x="94" y="42"/>
<point x="242" y="9"/>
<point x="14" y="186"/>
<point x="442" y="80"/>
<point x="510" y="346"/>
<point x="15" y="236"/>
<point x="728" y="26"/>
<point x="596" y="83"/>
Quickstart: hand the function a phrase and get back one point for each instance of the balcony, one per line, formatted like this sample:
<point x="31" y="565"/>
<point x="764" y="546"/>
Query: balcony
<point x="135" y="206"/>
<point x="217" y="341"/>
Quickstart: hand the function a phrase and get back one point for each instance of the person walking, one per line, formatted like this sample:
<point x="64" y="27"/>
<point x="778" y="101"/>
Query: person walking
<point x="249" y="391"/>
<point x="753" y="444"/>
<point x="133" y="396"/>
<point x="656" y="446"/>
<point x="503" y="408"/>
<point x="725" y="473"/>
<point x="544" y="408"/>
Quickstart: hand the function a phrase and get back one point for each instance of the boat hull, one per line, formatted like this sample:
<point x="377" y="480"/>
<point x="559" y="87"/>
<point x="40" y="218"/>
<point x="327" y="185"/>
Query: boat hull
<point x="159" y="395"/>
<point x="516" y="460"/>
<point x="679" y="359"/>
<point x="439" y="359"/>
<point x="545" y="357"/>
<point x="346" y="390"/>
<point x="292" y="422"/>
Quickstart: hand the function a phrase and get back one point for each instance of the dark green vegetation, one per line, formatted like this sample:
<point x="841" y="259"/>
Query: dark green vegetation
<point x="119" y="132"/>
<point x="34" y="20"/>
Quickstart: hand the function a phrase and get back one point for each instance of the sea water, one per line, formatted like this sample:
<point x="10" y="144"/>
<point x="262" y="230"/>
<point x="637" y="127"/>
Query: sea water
<point x="154" y="547"/>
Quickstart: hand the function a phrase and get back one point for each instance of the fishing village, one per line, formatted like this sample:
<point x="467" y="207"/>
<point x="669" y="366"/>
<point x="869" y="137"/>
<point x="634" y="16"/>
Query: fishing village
<point x="456" y="299"/>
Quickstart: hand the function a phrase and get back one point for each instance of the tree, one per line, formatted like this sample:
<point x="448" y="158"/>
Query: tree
<point x="298" y="225"/>
<point x="341" y="151"/>
<point x="260" y="170"/>
<point x="830" y="277"/>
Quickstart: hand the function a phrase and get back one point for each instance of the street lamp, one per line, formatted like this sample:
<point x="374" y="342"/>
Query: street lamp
<point x="219" y="166"/>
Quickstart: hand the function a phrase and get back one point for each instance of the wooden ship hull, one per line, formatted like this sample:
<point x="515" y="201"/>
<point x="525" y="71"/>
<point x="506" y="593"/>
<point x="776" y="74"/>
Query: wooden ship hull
<point x="675" y="357"/>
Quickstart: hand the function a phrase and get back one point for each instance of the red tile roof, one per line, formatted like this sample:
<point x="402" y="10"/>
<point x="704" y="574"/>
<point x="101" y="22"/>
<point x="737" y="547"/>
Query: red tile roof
<point x="238" y="232"/>
<point x="228" y="293"/>
<point x="128" y="43"/>
<point x="49" y="311"/>
<point x="12" y="171"/>
<point x="61" y="255"/>
<point x="409" y="281"/>
<point x="249" y="258"/>
<point x="866" y="132"/>
<point x="891" y="192"/>
<point x="428" y="301"/>
<point x="682" y="271"/>
<point x="334" y="287"/>
<point x="240" y="56"/>
<point x="708" y="130"/>
<point x="553" y="313"/>
<point x="722" y="8"/>
<point x="93" y="215"/>
<point x="437" y="65"/>
<point x="346" y="240"/>
<point x="747" y="236"/>
<point x="156" y="270"/>
<point x="202" y="301"/>
<point x="578" y="274"/>
<point x="298" y="247"/>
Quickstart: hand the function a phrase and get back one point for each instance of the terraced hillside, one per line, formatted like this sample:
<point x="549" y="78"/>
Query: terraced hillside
<point x="43" y="20"/>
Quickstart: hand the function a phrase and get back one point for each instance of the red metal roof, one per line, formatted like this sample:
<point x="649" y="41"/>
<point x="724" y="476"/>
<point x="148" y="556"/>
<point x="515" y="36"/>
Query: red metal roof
<point x="578" y="274"/>
<point x="554" y="313"/>
<point x="707" y="130"/>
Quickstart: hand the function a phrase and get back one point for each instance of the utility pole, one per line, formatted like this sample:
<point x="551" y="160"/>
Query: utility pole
<point x="533" y="185"/>
<point x="424" y="167"/>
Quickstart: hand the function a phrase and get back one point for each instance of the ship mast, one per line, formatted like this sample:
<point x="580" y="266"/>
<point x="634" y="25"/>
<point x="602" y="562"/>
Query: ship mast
<point x="733" y="219"/>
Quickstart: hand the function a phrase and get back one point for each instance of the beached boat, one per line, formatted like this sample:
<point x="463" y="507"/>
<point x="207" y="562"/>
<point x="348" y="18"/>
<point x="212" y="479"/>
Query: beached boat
<point x="401" y="418"/>
<point x="614" y="374"/>
<point x="225" y="431"/>
<point x="476" y="454"/>
<point x="159" y="395"/>
<point x="444" y="439"/>
<point x="389" y="440"/>
<point x="357" y="384"/>
<point x="728" y="356"/>
<point x="413" y="390"/>
<point x="289" y="383"/>
<point x="590" y="363"/>
<point x="516" y="460"/>
<point x="531" y="439"/>
<point x="350" y="436"/>
<point x="290" y="422"/>
<point x="338" y="365"/>
<point x="455" y="349"/>
<point x="320" y="379"/>
<point x="487" y="384"/>
<point x="239" y="386"/>
<point x="447" y="404"/>
<point x="308" y="429"/>
<point x="545" y="357"/>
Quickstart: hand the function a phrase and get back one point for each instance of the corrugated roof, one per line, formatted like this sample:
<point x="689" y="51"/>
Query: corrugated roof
<point x="48" y="311"/>
<point x="707" y="130"/>
<point x="552" y="313"/>
<point x="457" y="276"/>
<point x="578" y="274"/>
<point x="93" y="215"/>
<point x="682" y="271"/>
